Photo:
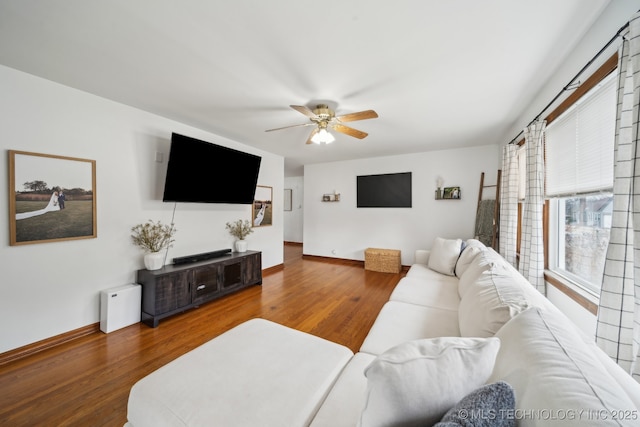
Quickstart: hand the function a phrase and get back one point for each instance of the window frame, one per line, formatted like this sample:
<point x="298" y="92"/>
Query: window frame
<point x="583" y="296"/>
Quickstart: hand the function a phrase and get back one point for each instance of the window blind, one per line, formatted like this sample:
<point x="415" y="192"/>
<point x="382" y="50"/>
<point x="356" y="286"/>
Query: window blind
<point x="579" y="144"/>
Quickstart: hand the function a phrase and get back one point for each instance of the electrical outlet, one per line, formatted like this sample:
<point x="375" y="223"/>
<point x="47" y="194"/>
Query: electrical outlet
<point x="159" y="156"/>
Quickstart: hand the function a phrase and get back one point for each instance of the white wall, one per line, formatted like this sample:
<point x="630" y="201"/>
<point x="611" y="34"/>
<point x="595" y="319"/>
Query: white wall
<point x="340" y="230"/>
<point x="52" y="288"/>
<point x="293" y="220"/>
<point x="615" y="15"/>
<point x="579" y="315"/>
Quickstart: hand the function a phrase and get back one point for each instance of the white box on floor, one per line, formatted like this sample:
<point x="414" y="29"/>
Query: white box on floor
<point x="120" y="307"/>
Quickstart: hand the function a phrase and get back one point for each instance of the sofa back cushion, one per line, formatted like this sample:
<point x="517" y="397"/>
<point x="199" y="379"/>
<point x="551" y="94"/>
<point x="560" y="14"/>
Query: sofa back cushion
<point x="444" y="255"/>
<point x="555" y="374"/>
<point x="472" y="248"/>
<point x="491" y="301"/>
<point x="481" y="262"/>
<point x="417" y="382"/>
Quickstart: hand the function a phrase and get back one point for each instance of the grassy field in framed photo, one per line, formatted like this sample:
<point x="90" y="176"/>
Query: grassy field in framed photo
<point x="76" y="220"/>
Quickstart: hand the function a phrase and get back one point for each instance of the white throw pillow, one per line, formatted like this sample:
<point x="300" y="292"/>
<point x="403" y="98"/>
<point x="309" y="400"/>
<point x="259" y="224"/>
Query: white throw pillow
<point x="417" y="382"/>
<point x="444" y="255"/>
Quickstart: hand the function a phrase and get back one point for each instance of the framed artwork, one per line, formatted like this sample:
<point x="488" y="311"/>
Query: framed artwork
<point x="51" y="198"/>
<point x="262" y="208"/>
<point x="451" y="193"/>
<point x="288" y="199"/>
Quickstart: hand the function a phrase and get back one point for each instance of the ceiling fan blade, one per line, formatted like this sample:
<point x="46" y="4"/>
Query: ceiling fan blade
<point x="304" y="110"/>
<point x="362" y="115"/>
<point x="311" y="135"/>
<point x="292" y="126"/>
<point x="349" y="131"/>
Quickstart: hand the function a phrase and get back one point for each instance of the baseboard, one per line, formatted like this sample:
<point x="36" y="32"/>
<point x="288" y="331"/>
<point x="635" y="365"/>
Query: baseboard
<point x="293" y="243"/>
<point x="343" y="261"/>
<point x="48" y="343"/>
<point x="273" y="269"/>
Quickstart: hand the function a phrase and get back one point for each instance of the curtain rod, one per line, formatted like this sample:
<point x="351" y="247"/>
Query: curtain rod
<point x="571" y="84"/>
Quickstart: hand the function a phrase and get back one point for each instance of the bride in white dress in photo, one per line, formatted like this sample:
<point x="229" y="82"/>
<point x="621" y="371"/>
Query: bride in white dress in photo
<point x="258" y="220"/>
<point x="52" y="206"/>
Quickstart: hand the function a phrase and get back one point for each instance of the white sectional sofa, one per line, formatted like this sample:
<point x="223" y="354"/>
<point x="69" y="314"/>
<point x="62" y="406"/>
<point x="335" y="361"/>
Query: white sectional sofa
<point x="463" y="337"/>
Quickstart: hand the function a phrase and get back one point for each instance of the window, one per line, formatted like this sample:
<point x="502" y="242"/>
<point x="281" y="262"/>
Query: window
<point x="579" y="148"/>
<point x="579" y="237"/>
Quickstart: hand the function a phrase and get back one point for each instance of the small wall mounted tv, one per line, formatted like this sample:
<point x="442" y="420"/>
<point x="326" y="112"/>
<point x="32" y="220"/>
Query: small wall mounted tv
<point x="392" y="190"/>
<point x="202" y="172"/>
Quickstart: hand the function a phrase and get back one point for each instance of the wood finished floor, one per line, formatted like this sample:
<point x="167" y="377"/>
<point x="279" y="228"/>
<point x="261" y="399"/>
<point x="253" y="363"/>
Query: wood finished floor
<point x="86" y="382"/>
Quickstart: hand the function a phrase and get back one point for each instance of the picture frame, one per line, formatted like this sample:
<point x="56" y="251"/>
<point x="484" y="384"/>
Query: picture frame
<point x="51" y="198"/>
<point x="452" y="193"/>
<point x="288" y="199"/>
<point x="262" y="207"/>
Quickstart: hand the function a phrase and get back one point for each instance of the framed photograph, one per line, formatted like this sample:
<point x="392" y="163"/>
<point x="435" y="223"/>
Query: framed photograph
<point x="288" y="199"/>
<point x="262" y="208"/>
<point x="51" y="198"/>
<point x="451" y="193"/>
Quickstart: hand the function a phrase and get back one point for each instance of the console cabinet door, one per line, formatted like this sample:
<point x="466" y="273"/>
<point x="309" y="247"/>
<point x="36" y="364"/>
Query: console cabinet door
<point x="171" y="293"/>
<point x="253" y="269"/>
<point x="205" y="283"/>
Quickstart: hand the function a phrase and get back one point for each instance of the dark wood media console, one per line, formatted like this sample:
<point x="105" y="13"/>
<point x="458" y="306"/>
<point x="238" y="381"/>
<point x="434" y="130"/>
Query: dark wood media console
<point x="176" y="288"/>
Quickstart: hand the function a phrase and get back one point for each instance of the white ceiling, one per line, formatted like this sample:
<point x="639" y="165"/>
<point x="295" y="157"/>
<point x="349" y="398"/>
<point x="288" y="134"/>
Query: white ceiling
<point x="440" y="74"/>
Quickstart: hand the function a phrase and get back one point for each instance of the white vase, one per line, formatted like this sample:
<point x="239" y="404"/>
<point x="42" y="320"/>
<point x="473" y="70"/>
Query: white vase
<point x="154" y="260"/>
<point x="241" y="245"/>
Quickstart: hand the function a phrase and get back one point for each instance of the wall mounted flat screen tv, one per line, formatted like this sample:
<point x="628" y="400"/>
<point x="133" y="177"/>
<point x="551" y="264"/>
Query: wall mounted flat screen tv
<point x="392" y="190"/>
<point x="201" y="172"/>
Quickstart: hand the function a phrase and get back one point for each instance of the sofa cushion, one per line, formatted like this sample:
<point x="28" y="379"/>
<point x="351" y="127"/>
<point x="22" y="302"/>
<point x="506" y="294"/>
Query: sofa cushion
<point x="398" y="322"/>
<point x="417" y="382"/>
<point x="625" y="381"/>
<point x="444" y="255"/>
<point x="422" y="272"/>
<point x="481" y="262"/>
<point x="466" y="258"/>
<point x="492" y="405"/>
<point x="553" y="372"/>
<point x="439" y="294"/>
<point x="344" y="404"/>
<point x="492" y="300"/>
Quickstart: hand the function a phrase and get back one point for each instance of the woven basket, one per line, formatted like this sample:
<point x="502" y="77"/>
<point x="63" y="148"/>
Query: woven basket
<point x="382" y="260"/>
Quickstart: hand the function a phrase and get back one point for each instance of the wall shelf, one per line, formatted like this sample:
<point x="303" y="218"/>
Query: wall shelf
<point x="334" y="197"/>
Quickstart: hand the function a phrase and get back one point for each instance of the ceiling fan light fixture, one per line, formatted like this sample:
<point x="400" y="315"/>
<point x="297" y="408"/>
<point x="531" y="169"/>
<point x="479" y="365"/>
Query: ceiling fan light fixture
<point x="323" y="137"/>
<point x="324" y="117"/>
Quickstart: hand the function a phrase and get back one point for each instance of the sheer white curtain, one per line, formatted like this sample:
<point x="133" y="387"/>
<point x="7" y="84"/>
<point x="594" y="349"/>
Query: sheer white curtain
<point x="618" y="328"/>
<point x="531" y="263"/>
<point x="509" y="203"/>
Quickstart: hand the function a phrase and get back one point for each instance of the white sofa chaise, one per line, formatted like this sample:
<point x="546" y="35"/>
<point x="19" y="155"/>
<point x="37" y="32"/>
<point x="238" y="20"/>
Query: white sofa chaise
<point x="463" y="324"/>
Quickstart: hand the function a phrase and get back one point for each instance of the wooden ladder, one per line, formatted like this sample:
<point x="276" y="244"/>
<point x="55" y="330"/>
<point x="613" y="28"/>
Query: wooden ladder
<point x="483" y="206"/>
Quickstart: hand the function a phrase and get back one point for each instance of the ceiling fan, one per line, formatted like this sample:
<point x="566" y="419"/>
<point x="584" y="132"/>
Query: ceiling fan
<point x="324" y="118"/>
